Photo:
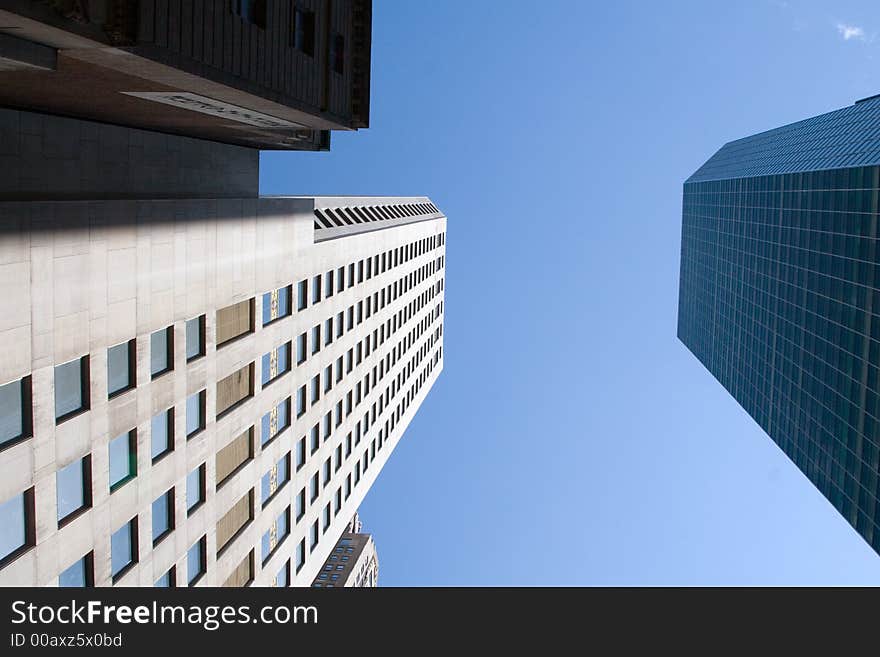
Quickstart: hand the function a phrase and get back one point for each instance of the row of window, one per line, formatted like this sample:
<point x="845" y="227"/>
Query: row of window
<point x="302" y="29"/>
<point x="350" y="215"/>
<point x="74" y="490"/>
<point x="74" y="481"/>
<point x="72" y="391"/>
<point x="17" y="514"/>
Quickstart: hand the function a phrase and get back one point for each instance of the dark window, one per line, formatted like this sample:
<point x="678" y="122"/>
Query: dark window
<point x="304" y="31"/>
<point x="251" y="11"/>
<point x="337" y="53"/>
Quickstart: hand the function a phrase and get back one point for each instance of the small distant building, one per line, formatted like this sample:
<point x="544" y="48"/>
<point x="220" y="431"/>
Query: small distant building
<point x="353" y="562"/>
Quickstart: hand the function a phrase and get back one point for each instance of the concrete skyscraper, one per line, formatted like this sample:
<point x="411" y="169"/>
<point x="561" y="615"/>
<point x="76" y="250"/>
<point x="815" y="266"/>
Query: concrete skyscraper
<point x="780" y="294"/>
<point x="202" y="391"/>
<point x="270" y="74"/>
<point x="198" y="385"/>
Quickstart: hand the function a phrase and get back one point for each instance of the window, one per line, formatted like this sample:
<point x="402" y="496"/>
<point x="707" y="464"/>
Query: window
<point x="195" y="338"/>
<point x="275" y="364"/>
<point x="328" y="378"/>
<point x="123" y="459"/>
<point x="275" y="535"/>
<point x="233" y="456"/>
<point x="301" y="504"/>
<point x="313" y="488"/>
<point x="303" y="32"/>
<point x="17" y="528"/>
<point x="195" y="489"/>
<point x="195" y="414"/>
<point x="283" y="576"/>
<point x="300" y="555"/>
<point x="123" y="548"/>
<point x="314" y="536"/>
<point x="340" y="326"/>
<point x="300" y="453"/>
<point x="301" y="401"/>
<point x="168" y="579"/>
<point x="71" y="388"/>
<point x="301" y="350"/>
<point x="340" y="279"/>
<point x="234" y="321"/>
<point x="316" y="388"/>
<point x="326" y="472"/>
<point x="302" y="295"/>
<point x="316" y="438"/>
<point x="120" y="368"/>
<point x="316" y="339"/>
<point x="326" y="518"/>
<point x="73" y="488"/>
<point x="328" y="284"/>
<point x="328" y="331"/>
<point x="251" y="11"/>
<point x="276" y="304"/>
<point x="196" y="558"/>
<point x="15" y="411"/>
<point x="274" y="479"/>
<point x="161" y="434"/>
<point x="161" y="351"/>
<point x="163" y="516"/>
<point x="316" y="289"/>
<point x="275" y="421"/>
<point x="337" y="53"/>
<point x="80" y="574"/>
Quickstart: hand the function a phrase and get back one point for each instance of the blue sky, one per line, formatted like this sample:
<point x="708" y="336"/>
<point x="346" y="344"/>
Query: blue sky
<point x="571" y="439"/>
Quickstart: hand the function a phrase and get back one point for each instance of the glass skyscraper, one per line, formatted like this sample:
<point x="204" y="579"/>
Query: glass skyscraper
<point x="780" y="294"/>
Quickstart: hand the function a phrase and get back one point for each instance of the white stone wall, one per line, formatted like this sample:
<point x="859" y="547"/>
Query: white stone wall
<point x="77" y="277"/>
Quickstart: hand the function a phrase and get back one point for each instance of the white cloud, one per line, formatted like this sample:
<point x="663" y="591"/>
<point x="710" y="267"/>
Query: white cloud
<point x="850" y="32"/>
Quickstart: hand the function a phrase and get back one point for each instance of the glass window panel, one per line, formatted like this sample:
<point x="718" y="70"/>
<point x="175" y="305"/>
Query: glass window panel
<point x="159" y="349"/>
<point x="194" y="562"/>
<point x="10" y="411"/>
<point x="194" y="342"/>
<point x="162" y="509"/>
<point x="118" y="375"/>
<point x="193" y="488"/>
<point x="159" y="434"/>
<point x="282" y="578"/>
<point x="122" y="462"/>
<point x="121" y="548"/>
<point x="13" y="534"/>
<point x="70" y="488"/>
<point x="165" y="581"/>
<point x="68" y="388"/>
<point x="194" y="420"/>
<point x="76" y="575"/>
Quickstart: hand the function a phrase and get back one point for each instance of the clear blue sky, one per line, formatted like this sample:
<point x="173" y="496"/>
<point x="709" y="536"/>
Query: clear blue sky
<point x="571" y="439"/>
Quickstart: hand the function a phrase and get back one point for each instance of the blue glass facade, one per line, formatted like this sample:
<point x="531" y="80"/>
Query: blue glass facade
<point x="780" y="273"/>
